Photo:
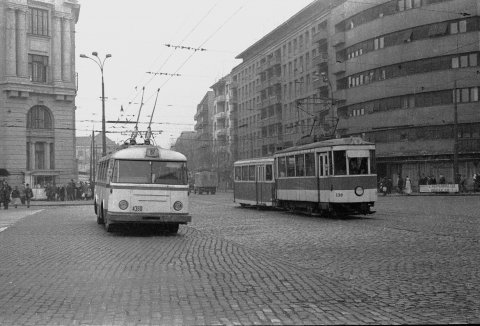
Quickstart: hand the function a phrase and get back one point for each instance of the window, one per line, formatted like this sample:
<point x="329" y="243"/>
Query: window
<point x="455" y="62"/>
<point x="38" y="68"/>
<point x="309" y="164"/>
<point x="268" y="172"/>
<point x="340" y="162"/>
<point x="40" y="156"/>
<point x="358" y="165"/>
<point x="464" y="61"/>
<point x="291" y="166"/>
<point x="299" y="165"/>
<point x="238" y="173"/>
<point x="39" y="117"/>
<point x="38" y="21"/>
<point x="251" y="173"/>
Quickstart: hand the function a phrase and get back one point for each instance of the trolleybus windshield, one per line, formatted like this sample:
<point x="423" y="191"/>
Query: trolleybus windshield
<point x="150" y="172"/>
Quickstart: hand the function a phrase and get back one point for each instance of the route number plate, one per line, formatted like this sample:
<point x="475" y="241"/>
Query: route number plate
<point x="137" y="208"/>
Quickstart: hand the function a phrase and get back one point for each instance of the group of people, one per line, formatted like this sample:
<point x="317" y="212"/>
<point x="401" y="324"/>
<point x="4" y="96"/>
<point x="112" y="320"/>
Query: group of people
<point x="404" y="186"/>
<point x="17" y="196"/>
<point x="70" y="191"/>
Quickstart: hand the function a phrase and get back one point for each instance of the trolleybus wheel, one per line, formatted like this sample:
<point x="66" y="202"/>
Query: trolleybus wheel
<point x="99" y="215"/>
<point x="108" y="225"/>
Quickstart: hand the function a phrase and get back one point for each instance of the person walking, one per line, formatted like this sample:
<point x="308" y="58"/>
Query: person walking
<point x="28" y="194"/>
<point x="400" y="184"/>
<point x="5" y="194"/>
<point x="16" y="197"/>
<point x="408" y="186"/>
<point x="22" y="193"/>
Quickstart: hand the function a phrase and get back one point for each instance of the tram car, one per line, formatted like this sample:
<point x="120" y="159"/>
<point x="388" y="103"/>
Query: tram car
<point x="331" y="177"/>
<point x="254" y="183"/>
<point x="142" y="184"/>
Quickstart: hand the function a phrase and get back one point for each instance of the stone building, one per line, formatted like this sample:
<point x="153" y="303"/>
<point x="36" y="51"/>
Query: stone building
<point x="204" y="129"/>
<point x="37" y="90"/>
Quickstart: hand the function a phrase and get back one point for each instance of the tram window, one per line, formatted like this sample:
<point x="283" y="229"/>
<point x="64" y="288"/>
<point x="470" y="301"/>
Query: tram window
<point x="291" y="166"/>
<point x="130" y="172"/>
<point x="238" y="173"/>
<point x="310" y="164"/>
<point x="268" y="172"/>
<point x="282" y="167"/>
<point x="299" y="165"/>
<point x="244" y="173"/>
<point x="251" y="173"/>
<point x="373" y="163"/>
<point x="358" y="165"/>
<point x="340" y="162"/>
<point x="170" y="173"/>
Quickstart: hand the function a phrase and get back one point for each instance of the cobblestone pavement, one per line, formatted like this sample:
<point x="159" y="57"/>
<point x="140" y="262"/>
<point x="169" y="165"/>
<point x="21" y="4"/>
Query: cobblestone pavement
<point x="234" y="266"/>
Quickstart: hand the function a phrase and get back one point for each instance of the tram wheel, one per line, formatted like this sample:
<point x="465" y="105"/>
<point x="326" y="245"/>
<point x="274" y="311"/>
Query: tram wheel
<point x="172" y="228"/>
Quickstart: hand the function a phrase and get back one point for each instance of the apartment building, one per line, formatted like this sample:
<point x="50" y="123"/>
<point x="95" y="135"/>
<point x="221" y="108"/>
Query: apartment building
<point x="282" y="84"/>
<point x="407" y="75"/>
<point x="204" y="129"/>
<point x="37" y="90"/>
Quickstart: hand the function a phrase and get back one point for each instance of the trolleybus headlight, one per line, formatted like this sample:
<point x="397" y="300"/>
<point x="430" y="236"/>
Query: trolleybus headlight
<point x="178" y="206"/>
<point x="359" y="191"/>
<point x="123" y="204"/>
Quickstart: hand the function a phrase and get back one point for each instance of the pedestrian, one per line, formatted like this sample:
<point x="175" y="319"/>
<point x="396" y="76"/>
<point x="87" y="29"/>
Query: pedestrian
<point x="16" y="197"/>
<point x="442" y="179"/>
<point x="5" y="194"/>
<point x="22" y="193"/>
<point x="400" y="184"/>
<point x="476" y="182"/>
<point x="408" y="185"/>
<point x="28" y="194"/>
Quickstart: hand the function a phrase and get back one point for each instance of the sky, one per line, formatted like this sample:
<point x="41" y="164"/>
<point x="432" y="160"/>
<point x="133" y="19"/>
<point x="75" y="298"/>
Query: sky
<point x="135" y="34"/>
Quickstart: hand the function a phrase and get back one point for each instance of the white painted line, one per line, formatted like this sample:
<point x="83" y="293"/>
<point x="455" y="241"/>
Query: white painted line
<point x="3" y="229"/>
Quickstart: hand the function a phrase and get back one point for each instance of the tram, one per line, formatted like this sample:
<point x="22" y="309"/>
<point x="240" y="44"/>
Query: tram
<point x="331" y="177"/>
<point x="142" y="184"/>
<point x="254" y="183"/>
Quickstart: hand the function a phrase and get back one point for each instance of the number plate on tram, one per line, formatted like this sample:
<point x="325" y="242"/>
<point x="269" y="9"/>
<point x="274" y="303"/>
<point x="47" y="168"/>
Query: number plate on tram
<point x="137" y="208"/>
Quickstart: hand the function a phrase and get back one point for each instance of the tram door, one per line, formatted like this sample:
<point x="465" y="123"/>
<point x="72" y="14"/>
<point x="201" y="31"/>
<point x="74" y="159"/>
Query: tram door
<point x="260" y="180"/>
<point x="323" y="174"/>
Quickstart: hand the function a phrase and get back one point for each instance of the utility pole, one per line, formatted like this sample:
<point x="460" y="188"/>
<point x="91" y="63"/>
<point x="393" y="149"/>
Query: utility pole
<point x="455" y="132"/>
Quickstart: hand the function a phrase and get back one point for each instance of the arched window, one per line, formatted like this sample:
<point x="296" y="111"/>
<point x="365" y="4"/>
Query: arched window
<point x="39" y="117"/>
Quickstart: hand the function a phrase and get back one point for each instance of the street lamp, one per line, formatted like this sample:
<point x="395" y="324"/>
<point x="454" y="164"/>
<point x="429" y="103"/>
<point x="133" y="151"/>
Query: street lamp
<point x="100" y="63"/>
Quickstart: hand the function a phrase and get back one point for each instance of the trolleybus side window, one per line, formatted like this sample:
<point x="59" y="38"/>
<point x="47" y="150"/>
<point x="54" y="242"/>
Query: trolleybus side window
<point x="282" y="167"/>
<point x="373" y="163"/>
<point x="290" y="166"/>
<point x="310" y="164"/>
<point x="340" y="162"/>
<point x="268" y="172"/>
<point x="300" y="165"/>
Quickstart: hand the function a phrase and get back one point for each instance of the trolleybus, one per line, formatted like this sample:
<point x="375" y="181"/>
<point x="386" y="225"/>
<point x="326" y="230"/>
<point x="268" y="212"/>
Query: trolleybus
<point x="142" y="184"/>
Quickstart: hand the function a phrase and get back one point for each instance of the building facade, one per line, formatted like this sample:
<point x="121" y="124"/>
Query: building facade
<point x="37" y="90"/>
<point x="406" y="73"/>
<point x="204" y="128"/>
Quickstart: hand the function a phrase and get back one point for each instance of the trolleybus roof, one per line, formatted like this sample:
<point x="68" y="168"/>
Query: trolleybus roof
<point x="327" y="143"/>
<point x="147" y="153"/>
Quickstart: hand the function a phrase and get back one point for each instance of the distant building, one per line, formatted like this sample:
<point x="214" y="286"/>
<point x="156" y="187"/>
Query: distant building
<point x="37" y="90"/>
<point x="204" y="129"/>
<point x="84" y="154"/>
<point x="186" y="144"/>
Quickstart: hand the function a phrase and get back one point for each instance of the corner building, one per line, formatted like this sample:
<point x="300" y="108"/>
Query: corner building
<point x="407" y="78"/>
<point x="37" y="90"/>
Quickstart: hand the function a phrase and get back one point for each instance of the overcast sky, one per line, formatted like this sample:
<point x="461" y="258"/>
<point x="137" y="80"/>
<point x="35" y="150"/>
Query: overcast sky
<point x="134" y="33"/>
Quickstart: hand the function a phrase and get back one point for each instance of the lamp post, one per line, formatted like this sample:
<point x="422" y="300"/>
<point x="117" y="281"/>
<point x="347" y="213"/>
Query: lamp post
<point x="101" y="63"/>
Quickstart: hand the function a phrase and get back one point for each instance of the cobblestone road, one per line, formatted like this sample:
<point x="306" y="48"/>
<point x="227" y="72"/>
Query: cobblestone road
<point x="415" y="261"/>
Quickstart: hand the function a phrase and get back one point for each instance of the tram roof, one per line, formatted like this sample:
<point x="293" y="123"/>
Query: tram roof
<point x="352" y="141"/>
<point x="255" y="160"/>
<point x="147" y="153"/>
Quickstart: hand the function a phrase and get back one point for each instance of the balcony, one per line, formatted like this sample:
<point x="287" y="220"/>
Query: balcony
<point x="338" y="39"/>
<point x="274" y="80"/>
<point x="221" y="132"/>
<point x="220" y="98"/>
<point x="339" y="67"/>
<point x="320" y="36"/>
<point x="340" y="95"/>
<point x="220" y="115"/>
<point x="320" y="58"/>
<point x="275" y="60"/>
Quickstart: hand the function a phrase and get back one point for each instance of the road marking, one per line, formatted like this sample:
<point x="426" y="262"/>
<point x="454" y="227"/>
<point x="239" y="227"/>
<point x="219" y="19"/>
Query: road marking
<point x="13" y="216"/>
<point x="2" y="229"/>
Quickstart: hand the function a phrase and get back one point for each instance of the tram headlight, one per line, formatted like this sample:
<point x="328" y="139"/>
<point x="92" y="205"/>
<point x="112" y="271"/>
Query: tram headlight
<point x="123" y="204"/>
<point x="359" y="191"/>
<point x="178" y="205"/>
